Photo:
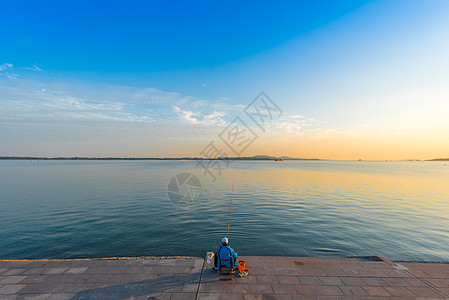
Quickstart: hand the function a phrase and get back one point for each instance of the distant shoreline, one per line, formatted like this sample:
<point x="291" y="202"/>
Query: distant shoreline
<point x="148" y="158"/>
<point x="252" y="158"/>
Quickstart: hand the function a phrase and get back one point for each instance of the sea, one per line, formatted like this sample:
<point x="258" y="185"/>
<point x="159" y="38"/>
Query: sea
<point x="109" y="208"/>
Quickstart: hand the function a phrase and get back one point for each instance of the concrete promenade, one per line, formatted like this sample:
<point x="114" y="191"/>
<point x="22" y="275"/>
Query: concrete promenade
<point x="191" y="278"/>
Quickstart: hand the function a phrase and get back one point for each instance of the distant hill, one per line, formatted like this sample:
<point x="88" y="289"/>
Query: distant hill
<point x="439" y="159"/>
<point x="269" y="157"/>
<point x="262" y="157"/>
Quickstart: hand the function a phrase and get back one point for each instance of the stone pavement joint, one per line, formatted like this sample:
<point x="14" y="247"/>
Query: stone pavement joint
<point x="270" y="277"/>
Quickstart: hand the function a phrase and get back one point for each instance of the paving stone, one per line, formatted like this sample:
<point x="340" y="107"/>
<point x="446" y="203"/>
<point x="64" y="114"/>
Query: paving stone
<point x="14" y="271"/>
<point x="11" y="279"/>
<point x="444" y="290"/>
<point x="34" y="279"/>
<point x="152" y="296"/>
<point x="239" y="288"/>
<point x="306" y="290"/>
<point x="375" y="272"/>
<point x="52" y="271"/>
<point x="248" y="279"/>
<point x="415" y="282"/>
<point x="79" y="270"/>
<point x="286" y="280"/>
<point x="399" y="291"/>
<point x="190" y="287"/>
<point x="260" y="288"/>
<point x="374" y="264"/>
<point x="34" y="297"/>
<point x="334" y="272"/>
<point x="185" y="277"/>
<point x="183" y="296"/>
<point x="352" y="281"/>
<point x="323" y="297"/>
<point x="35" y="271"/>
<point x="11" y="289"/>
<point x="218" y="296"/>
<point x="302" y="297"/>
<point x="353" y="291"/>
<point x="18" y="263"/>
<point x="213" y="288"/>
<point x="374" y="281"/>
<point x="263" y="271"/>
<point x="424" y="292"/>
<point x="396" y="273"/>
<point x="64" y="296"/>
<point x="418" y="273"/>
<point x="330" y="280"/>
<point x="395" y="281"/>
<point x="444" y="283"/>
<point x="99" y="278"/>
<point x="376" y="291"/>
<point x="309" y="271"/>
<point x="329" y="290"/>
<point x="287" y="289"/>
<point x="311" y="280"/>
<point x="355" y="272"/>
<point x="267" y="279"/>
<point x="437" y="273"/>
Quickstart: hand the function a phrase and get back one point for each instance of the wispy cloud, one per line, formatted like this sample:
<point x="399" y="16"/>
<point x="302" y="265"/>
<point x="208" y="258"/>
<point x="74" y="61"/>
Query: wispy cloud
<point x="34" y="68"/>
<point x="41" y="101"/>
<point x="37" y="112"/>
<point x="5" y="66"/>
<point x="5" y="71"/>
<point x="297" y="125"/>
<point x="20" y="104"/>
<point x="213" y="118"/>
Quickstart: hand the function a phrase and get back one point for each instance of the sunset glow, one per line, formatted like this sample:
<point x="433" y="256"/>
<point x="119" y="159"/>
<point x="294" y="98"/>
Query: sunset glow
<point x="361" y="80"/>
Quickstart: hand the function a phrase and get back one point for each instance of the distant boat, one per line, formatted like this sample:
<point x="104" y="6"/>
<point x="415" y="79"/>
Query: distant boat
<point x="278" y="159"/>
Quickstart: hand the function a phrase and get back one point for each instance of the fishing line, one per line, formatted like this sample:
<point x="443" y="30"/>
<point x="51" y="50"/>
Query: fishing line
<point x="230" y="206"/>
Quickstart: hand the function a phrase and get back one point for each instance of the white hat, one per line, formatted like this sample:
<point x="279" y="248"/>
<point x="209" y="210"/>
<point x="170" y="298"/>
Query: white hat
<point x="224" y="240"/>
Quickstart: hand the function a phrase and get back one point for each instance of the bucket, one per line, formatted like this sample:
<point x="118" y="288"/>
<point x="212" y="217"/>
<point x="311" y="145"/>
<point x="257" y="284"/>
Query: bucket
<point x="209" y="256"/>
<point x="242" y="265"/>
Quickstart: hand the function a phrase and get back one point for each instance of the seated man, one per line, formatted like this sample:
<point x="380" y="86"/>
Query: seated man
<point x="225" y="252"/>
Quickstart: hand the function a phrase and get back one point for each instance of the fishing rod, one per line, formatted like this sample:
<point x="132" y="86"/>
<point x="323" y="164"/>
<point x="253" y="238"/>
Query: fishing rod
<point x="230" y="206"/>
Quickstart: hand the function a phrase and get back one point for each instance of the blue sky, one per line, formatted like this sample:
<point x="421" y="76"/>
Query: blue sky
<point x="146" y="78"/>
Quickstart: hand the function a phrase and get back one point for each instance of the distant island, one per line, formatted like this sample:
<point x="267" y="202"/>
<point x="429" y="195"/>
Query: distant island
<point x="256" y="157"/>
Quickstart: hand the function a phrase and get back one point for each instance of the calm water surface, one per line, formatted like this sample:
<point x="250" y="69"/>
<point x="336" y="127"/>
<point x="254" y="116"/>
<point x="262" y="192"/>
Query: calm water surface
<point x="72" y="209"/>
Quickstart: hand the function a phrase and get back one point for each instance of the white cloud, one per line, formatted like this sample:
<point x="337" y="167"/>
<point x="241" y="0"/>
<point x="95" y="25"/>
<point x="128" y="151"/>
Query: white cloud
<point x="11" y="75"/>
<point x="186" y="115"/>
<point x="5" y="66"/>
<point x="213" y="118"/>
<point x="4" y="73"/>
<point x="24" y="100"/>
<point x="300" y="125"/>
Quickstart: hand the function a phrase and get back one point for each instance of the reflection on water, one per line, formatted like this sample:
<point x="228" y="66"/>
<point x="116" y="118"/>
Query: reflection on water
<point x="300" y="208"/>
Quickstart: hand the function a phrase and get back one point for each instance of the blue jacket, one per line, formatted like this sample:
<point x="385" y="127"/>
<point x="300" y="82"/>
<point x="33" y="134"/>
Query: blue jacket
<point x="226" y="252"/>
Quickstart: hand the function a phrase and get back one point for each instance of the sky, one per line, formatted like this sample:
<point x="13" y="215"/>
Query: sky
<point x="339" y="79"/>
